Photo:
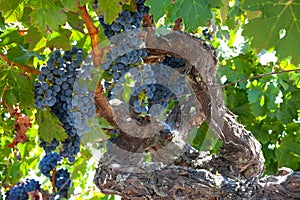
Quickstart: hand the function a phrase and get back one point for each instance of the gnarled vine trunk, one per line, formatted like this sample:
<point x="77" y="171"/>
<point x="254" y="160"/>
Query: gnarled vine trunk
<point x="177" y="170"/>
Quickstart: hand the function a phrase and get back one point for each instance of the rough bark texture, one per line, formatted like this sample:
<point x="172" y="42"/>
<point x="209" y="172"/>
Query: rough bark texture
<point x="178" y="171"/>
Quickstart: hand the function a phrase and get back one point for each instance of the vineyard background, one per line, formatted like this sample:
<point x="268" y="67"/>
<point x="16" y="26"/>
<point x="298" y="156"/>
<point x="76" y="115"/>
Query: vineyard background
<point x="256" y="42"/>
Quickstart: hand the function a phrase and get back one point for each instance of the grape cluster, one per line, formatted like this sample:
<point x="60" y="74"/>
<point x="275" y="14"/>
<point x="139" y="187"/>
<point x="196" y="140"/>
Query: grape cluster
<point x="125" y="47"/>
<point x="155" y="91"/>
<point x="62" y="182"/>
<point x="95" y="4"/>
<point x="62" y="176"/>
<point x="142" y="9"/>
<point x="58" y="78"/>
<point x="126" y="21"/>
<point x="207" y="35"/>
<point x="58" y="87"/>
<point x="49" y="163"/>
<point x="126" y="55"/>
<point x="144" y="87"/>
<point x="20" y="191"/>
<point x="173" y="62"/>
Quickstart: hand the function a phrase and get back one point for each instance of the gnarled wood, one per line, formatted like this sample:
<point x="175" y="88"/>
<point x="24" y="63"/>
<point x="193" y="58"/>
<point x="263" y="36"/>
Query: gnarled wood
<point x="178" y="170"/>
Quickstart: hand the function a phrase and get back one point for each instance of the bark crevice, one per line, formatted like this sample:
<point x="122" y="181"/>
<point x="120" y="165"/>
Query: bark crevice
<point x="179" y="171"/>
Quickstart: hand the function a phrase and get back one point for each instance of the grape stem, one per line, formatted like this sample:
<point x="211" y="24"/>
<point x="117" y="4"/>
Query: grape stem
<point x="53" y="181"/>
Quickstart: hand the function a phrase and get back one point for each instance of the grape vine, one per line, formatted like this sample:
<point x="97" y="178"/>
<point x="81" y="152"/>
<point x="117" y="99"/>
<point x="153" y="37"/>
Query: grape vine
<point x="49" y="55"/>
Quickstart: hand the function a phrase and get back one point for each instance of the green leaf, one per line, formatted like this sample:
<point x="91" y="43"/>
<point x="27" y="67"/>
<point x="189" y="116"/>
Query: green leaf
<point x="194" y="13"/>
<point x="69" y="5"/>
<point x="126" y="93"/>
<point x="96" y="132"/>
<point x="83" y="2"/>
<point x="276" y="16"/>
<point x="75" y="21"/>
<point x="288" y="109"/>
<point x="33" y="37"/>
<point x="254" y="94"/>
<point x="2" y="21"/>
<point x="46" y="14"/>
<point x="289" y="151"/>
<point x="49" y="126"/>
<point x="215" y="3"/>
<point x="19" y="88"/>
<point x="110" y="9"/>
<point x="203" y="139"/>
<point x="20" y="55"/>
<point x="272" y="93"/>
<point x="12" y="11"/>
<point x="10" y="36"/>
<point x="257" y="109"/>
<point x="158" y="8"/>
<point x="59" y="39"/>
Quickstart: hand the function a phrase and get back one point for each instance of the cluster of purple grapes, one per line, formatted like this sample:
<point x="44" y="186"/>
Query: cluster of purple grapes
<point x="20" y="191"/>
<point x="58" y="78"/>
<point x="62" y="177"/>
<point x="207" y="35"/>
<point x="125" y="57"/>
<point x="62" y="182"/>
<point x="125" y="46"/>
<point x="49" y="163"/>
<point x="174" y="62"/>
<point x="59" y="88"/>
<point x="144" y="87"/>
<point x="95" y="4"/>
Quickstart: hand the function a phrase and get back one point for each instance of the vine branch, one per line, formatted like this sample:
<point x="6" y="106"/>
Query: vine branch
<point x="259" y="76"/>
<point x="25" y="68"/>
<point x="103" y="108"/>
<point x="94" y="35"/>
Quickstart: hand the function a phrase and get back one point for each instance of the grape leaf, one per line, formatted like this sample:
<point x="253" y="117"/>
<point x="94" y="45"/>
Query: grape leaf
<point x="110" y="9"/>
<point x="215" y="3"/>
<point x="59" y="39"/>
<point x="20" y="55"/>
<point x="289" y="151"/>
<point x="69" y="5"/>
<point x="96" y="132"/>
<point x="194" y="13"/>
<point x="43" y="15"/>
<point x="19" y="88"/>
<point x="271" y="94"/>
<point x="49" y="126"/>
<point x="12" y="10"/>
<point x="75" y="21"/>
<point x="10" y="36"/>
<point x="288" y="109"/>
<point x="254" y="94"/>
<point x="2" y="21"/>
<point x="33" y="37"/>
<point x="83" y="2"/>
<point x="158" y="8"/>
<point x="276" y="16"/>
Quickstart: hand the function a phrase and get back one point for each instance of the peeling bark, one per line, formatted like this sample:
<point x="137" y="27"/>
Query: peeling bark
<point x="178" y="171"/>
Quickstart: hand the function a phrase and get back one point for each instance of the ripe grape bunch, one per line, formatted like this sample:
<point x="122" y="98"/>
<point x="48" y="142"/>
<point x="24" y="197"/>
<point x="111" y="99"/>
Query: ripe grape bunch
<point x="61" y="88"/>
<point x="62" y="177"/>
<point x="58" y="89"/>
<point x="20" y="191"/>
<point x="126" y="59"/>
